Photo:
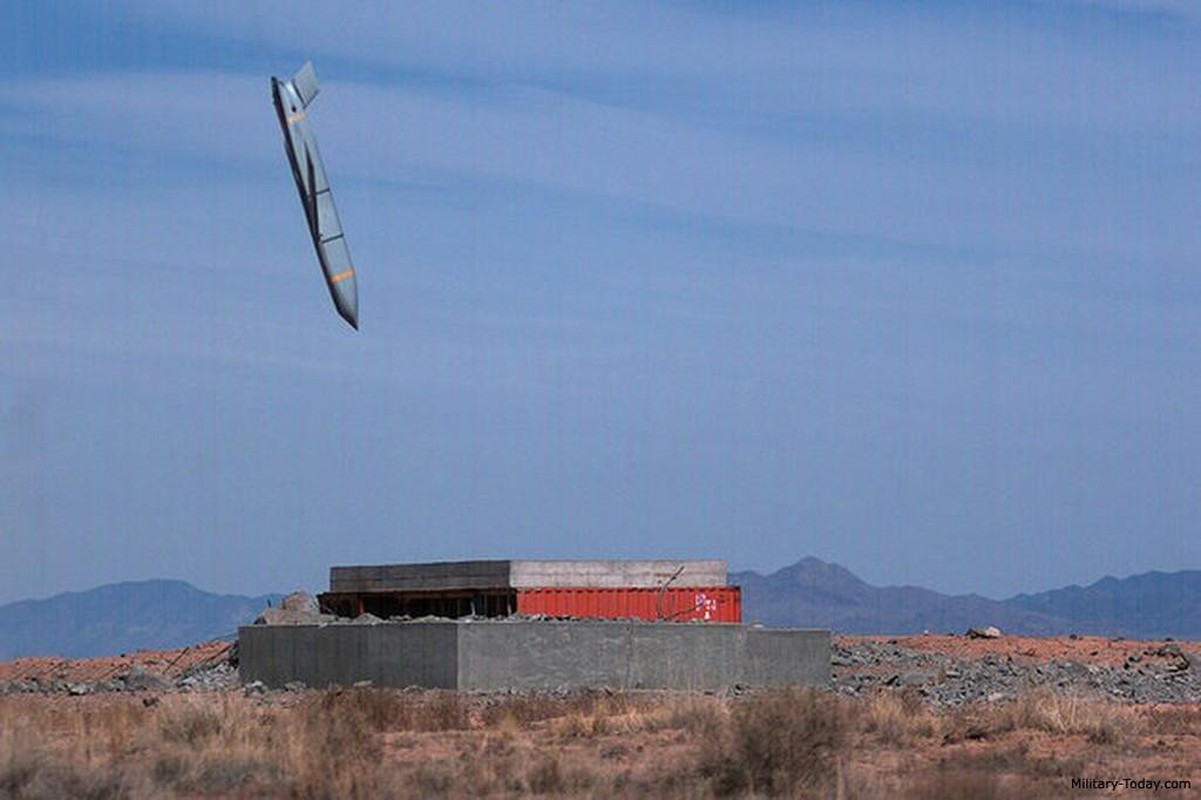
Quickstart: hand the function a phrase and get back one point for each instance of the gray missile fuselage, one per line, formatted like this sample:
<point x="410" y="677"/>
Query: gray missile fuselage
<point x="291" y="99"/>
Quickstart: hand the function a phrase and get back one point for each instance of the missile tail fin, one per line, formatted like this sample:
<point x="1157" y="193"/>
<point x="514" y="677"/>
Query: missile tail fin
<point x="305" y="83"/>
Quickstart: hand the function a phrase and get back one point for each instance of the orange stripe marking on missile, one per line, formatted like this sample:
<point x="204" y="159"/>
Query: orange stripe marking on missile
<point x="341" y="276"/>
<point x="297" y="117"/>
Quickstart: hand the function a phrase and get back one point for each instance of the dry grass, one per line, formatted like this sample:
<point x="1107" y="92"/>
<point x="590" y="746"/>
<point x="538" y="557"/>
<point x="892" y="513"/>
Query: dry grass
<point x="899" y="719"/>
<point x="1102" y="722"/>
<point x="968" y="782"/>
<point x="782" y="742"/>
<point x="1171" y="720"/>
<point x="385" y="743"/>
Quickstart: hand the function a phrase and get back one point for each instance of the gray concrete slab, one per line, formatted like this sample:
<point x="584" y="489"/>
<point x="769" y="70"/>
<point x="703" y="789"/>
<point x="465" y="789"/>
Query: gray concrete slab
<point x="535" y="654"/>
<point x="437" y="576"/>
<point x="484" y="575"/>
<point x="616" y="574"/>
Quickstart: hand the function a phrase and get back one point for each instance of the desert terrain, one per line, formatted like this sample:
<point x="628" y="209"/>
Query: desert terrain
<point x="908" y="717"/>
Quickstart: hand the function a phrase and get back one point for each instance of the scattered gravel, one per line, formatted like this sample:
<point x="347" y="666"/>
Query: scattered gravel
<point x="1159" y="674"/>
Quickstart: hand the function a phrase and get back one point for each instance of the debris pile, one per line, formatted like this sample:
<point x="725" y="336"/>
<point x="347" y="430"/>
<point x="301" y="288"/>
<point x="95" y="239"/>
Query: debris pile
<point x="945" y="671"/>
<point x="298" y="608"/>
<point x="209" y="666"/>
<point x="1159" y="673"/>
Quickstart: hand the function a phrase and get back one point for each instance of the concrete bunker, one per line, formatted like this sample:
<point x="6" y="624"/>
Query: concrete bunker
<point x="503" y="625"/>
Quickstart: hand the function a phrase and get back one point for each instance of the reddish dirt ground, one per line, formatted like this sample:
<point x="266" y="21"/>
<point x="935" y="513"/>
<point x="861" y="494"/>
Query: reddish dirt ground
<point x="168" y="663"/>
<point x="894" y="745"/>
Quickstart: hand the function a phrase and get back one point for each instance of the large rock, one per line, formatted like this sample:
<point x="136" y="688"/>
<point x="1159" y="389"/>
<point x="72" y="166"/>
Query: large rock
<point x="298" y="608"/>
<point x="300" y="601"/>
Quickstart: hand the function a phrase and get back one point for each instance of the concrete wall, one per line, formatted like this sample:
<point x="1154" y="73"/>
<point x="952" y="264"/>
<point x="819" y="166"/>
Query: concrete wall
<point x="440" y="576"/>
<point x="457" y="575"/>
<point x="535" y="654"/>
<point x="549" y="655"/>
<point x="417" y="654"/>
<point x="775" y="657"/>
<point x="616" y="574"/>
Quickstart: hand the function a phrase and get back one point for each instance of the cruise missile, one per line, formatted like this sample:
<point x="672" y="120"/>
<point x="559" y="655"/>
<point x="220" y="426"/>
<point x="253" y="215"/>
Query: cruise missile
<point x="292" y="98"/>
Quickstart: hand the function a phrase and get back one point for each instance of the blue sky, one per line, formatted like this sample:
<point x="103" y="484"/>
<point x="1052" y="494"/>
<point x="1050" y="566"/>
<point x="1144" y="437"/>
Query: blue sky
<point x="912" y="287"/>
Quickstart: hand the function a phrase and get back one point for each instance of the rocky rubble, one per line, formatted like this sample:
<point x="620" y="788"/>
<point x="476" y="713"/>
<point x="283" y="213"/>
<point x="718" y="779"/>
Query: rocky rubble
<point x="220" y="676"/>
<point x="1161" y="673"/>
<point x="212" y="667"/>
<point x="946" y="671"/>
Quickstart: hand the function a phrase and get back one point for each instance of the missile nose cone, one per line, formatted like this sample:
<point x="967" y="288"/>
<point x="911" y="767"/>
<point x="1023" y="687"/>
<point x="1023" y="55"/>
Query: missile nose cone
<point x="348" y="309"/>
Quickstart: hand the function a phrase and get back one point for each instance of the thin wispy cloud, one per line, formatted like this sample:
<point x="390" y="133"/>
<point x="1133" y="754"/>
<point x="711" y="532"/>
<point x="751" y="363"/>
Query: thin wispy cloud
<point x="978" y="186"/>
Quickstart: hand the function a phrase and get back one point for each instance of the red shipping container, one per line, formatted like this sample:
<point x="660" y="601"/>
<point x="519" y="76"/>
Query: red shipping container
<point x="707" y="603"/>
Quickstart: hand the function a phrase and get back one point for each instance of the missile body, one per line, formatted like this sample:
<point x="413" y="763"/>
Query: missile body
<point x="292" y="98"/>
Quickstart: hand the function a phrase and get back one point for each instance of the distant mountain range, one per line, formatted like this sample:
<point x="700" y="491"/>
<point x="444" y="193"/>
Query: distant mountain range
<point x="812" y="593"/>
<point x="156" y="614"/>
<point x="122" y="617"/>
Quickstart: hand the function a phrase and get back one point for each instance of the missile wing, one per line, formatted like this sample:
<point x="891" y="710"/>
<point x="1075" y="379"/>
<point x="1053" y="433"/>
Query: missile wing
<point x="292" y="98"/>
